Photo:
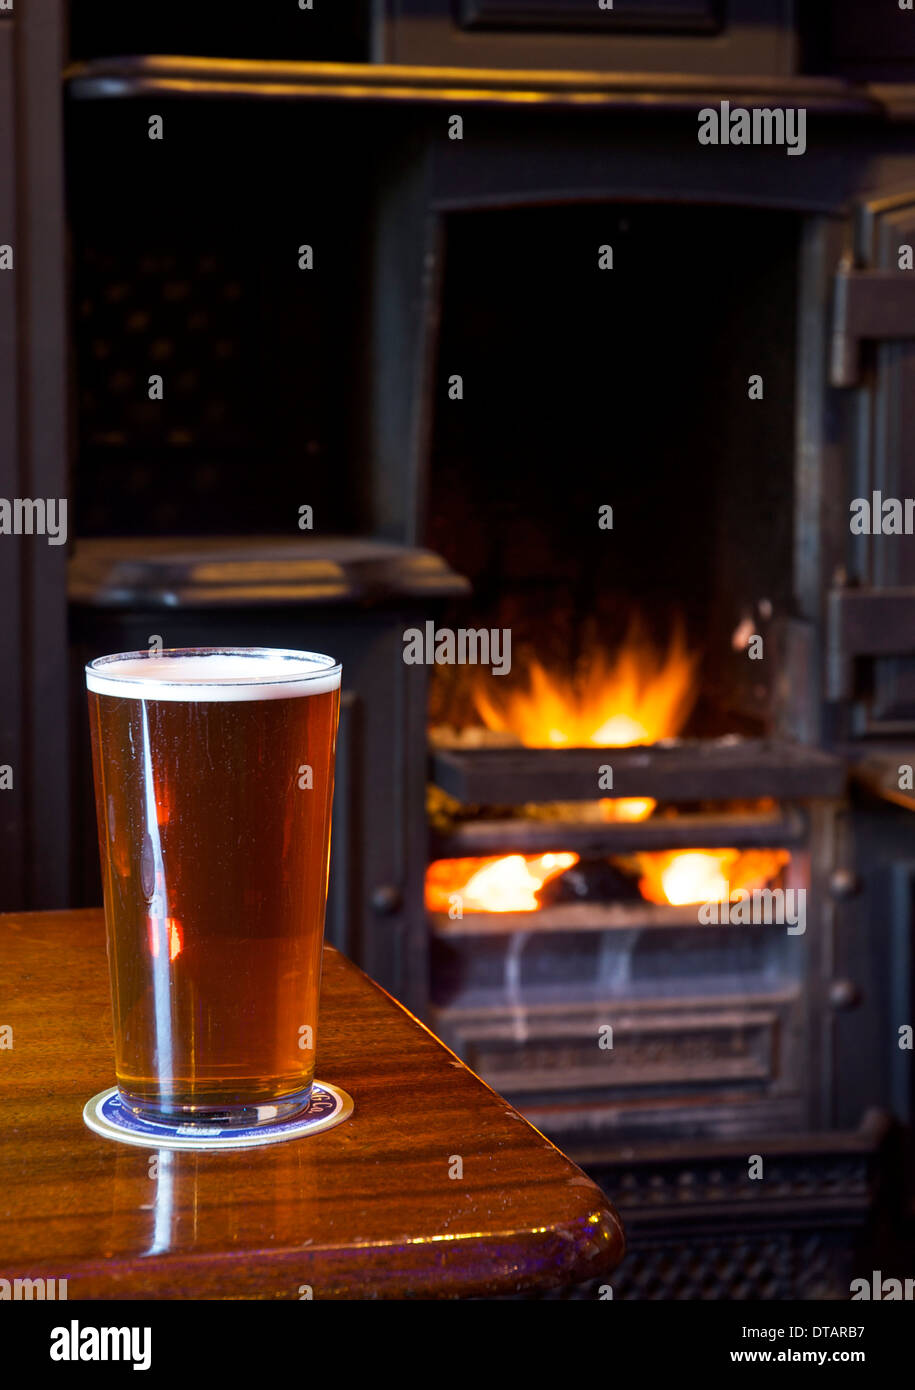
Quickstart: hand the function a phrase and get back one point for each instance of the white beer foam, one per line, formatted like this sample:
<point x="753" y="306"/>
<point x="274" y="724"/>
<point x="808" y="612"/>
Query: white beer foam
<point x="262" y="674"/>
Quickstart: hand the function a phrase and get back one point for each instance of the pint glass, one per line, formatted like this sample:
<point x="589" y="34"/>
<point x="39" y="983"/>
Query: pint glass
<point x="214" y="774"/>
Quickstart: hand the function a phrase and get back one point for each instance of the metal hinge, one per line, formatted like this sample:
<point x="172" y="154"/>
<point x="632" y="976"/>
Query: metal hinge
<point x="869" y="305"/>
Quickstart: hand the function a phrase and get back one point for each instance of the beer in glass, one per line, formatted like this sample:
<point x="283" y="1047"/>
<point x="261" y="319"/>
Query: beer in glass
<point x="214" y="774"/>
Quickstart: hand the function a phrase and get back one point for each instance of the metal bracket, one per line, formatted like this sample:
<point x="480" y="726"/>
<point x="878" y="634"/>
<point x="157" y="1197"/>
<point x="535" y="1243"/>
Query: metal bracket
<point x="865" y="623"/>
<point x="869" y="305"/>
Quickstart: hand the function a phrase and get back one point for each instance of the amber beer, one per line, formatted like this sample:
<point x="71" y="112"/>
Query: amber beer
<point x="214" y="774"/>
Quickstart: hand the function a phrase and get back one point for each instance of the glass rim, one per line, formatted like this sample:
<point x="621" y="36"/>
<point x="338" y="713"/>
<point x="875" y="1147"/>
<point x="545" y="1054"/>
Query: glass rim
<point x="321" y="666"/>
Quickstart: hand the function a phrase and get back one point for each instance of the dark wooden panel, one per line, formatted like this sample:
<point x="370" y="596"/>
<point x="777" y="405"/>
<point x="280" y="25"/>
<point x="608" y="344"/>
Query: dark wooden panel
<point x="43" y="439"/>
<point x="364" y="1210"/>
<point x="33" y="846"/>
<point x="12" y="736"/>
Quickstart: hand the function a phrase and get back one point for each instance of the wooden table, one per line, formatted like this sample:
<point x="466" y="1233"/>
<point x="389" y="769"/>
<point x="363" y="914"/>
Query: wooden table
<point x="364" y="1210"/>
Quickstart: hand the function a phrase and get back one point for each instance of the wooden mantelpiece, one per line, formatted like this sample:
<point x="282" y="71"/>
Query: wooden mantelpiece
<point x="364" y="1210"/>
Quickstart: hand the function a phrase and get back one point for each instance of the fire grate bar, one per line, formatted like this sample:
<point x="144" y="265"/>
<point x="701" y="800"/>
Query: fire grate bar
<point x="578" y="917"/>
<point x="728" y="769"/>
<point x="764" y="830"/>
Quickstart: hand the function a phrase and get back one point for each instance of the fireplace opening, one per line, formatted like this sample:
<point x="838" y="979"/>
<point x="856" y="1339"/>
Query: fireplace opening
<point x="622" y="826"/>
<point x="579" y="392"/>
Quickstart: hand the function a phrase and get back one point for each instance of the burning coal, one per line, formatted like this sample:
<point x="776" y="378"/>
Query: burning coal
<point x="640" y="696"/>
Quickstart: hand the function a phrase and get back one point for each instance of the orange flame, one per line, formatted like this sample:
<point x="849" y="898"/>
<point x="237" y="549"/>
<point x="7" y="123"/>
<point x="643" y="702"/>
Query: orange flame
<point x="638" y="697"/>
<point x="706" y="875"/>
<point x="502" y="883"/>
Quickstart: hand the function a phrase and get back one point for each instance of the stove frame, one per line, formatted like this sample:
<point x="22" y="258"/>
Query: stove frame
<point x="759" y="1051"/>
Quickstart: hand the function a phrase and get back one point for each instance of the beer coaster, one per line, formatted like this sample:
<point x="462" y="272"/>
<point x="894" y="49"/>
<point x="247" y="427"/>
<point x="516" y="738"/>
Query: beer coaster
<point x="107" y="1115"/>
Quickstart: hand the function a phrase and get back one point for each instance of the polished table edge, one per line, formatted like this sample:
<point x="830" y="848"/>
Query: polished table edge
<point x="584" y="1247"/>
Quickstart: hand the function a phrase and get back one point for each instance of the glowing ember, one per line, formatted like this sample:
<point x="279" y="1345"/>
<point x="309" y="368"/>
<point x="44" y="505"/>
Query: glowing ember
<point x="706" y="875"/>
<point x="503" y="883"/>
<point x="627" y="807"/>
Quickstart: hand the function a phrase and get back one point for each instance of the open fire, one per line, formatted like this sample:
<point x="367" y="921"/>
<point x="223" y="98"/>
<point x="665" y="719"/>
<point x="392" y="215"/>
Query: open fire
<point x="679" y="878"/>
<point x="706" y="875"/>
<point x="502" y="883"/>
<point x="642" y="696"/>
